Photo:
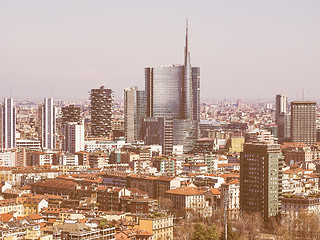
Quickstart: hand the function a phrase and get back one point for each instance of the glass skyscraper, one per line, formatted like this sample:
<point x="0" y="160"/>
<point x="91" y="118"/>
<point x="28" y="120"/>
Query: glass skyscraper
<point x="173" y="93"/>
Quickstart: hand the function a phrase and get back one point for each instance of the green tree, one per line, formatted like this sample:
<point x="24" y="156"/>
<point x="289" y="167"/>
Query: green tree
<point x="230" y="234"/>
<point x="202" y="232"/>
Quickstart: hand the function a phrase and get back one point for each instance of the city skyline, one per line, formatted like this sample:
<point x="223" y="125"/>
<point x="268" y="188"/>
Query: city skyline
<point x="256" y="47"/>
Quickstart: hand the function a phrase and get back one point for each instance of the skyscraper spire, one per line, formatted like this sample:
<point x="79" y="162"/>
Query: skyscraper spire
<point x="187" y="82"/>
<point x="186" y="50"/>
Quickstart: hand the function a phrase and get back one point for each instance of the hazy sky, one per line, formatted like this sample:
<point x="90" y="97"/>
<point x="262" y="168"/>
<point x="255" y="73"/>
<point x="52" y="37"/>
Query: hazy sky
<point x="245" y="49"/>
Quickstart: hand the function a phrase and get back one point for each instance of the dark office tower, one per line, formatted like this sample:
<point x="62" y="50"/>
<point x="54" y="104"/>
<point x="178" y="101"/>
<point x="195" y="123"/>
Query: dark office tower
<point x="134" y="113"/>
<point x="282" y="117"/>
<point x="8" y="124"/>
<point x="261" y="178"/>
<point x="71" y="114"/>
<point x="283" y="127"/>
<point x="196" y="93"/>
<point x="173" y="93"/>
<point x="47" y="120"/>
<point x="303" y="122"/>
<point x="100" y="110"/>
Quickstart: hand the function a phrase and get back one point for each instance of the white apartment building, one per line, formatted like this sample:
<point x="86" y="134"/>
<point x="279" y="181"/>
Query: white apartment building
<point x="7" y="158"/>
<point x="73" y="140"/>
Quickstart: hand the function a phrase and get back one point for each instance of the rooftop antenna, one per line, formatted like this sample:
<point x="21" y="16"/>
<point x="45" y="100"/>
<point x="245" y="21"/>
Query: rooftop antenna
<point x="186" y="48"/>
<point x="302" y="94"/>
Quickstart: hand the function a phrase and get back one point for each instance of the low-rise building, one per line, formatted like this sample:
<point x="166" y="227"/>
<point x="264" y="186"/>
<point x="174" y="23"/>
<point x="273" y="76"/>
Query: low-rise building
<point x="55" y="187"/>
<point x="80" y="231"/>
<point x="297" y="204"/>
<point x="160" y="227"/>
<point x="190" y="198"/>
<point x="33" y="205"/>
<point x="12" y="205"/>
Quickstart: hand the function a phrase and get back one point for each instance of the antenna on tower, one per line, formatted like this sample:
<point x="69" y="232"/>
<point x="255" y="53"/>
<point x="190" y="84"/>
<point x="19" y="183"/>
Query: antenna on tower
<point x="186" y="47"/>
<point x="302" y="94"/>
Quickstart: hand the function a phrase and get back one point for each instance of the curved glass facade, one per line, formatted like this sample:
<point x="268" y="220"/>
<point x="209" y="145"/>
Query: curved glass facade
<point x="165" y="97"/>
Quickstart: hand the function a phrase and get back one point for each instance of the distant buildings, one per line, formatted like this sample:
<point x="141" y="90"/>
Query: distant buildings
<point x="100" y="110"/>
<point x="8" y="124"/>
<point x="134" y="113"/>
<point x="173" y="95"/>
<point x="47" y="120"/>
<point x="303" y="122"/>
<point x="261" y="178"/>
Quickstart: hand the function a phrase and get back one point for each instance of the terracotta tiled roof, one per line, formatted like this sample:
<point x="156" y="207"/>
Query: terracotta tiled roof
<point x="26" y="187"/>
<point x="35" y="216"/>
<point x="215" y="191"/>
<point x="56" y="183"/>
<point x="186" y="191"/>
<point x="5" y="217"/>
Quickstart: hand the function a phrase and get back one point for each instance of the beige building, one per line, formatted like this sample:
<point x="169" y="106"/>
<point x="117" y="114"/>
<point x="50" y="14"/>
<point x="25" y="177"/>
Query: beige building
<point x="235" y="144"/>
<point x="160" y="227"/>
<point x="190" y="198"/>
<point x="303" y="122"/>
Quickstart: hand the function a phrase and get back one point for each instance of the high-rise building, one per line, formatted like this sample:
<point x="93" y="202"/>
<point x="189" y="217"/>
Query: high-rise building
<point x="239" y="103"/>
<point x="47" y="114"/>
<point x="283" y="127"/>
<point x="134" y="113"/>
<point x="261" y="178"/>
<point x="282" y="117"/>
<point x="72" y="129"/>
<point x="8" y="124"/>
<point x="281" y="105"/>
<point x="101" y="114"/>
<point x="173" y="93"/>
<point x="71" y="114"/>
<point x="73" y="137"/>
<point x="303" y="122"/>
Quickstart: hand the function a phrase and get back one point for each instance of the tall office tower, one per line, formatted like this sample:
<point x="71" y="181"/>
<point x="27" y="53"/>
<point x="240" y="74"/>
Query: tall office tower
<point x="100" y="110"/>
<point x="303" y="122"/>
<point x="282" y="117"/>
<point x="283" y="126"/>
<point x="8" y="124"/>
<point x="173" y="93"/>
<point x="261" y="178"/>
<point x="47" y="115"/>
<point x="281" y="105"/>
<point x="73" y="137"/>
<point x="134" y="113"/>
<point x="71" y="114"/>
<point x="239" y="103"/>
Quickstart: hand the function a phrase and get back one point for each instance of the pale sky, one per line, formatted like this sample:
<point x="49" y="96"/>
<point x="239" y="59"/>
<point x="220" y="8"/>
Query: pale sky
<point x="245" y="49"/>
